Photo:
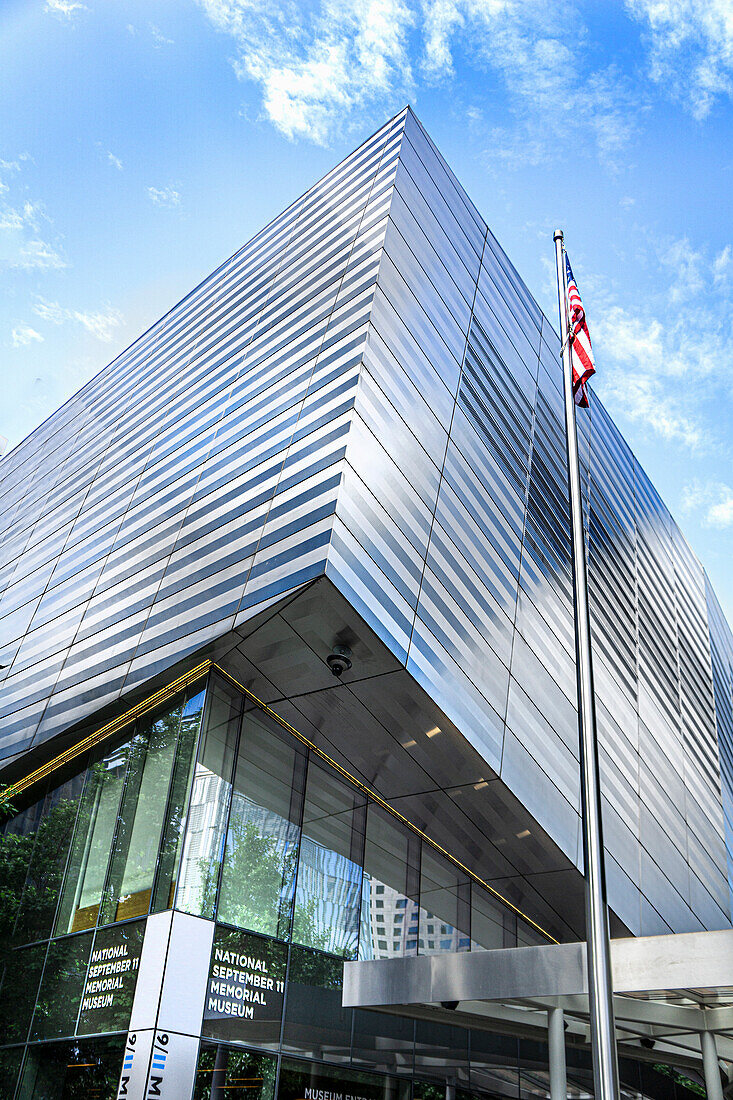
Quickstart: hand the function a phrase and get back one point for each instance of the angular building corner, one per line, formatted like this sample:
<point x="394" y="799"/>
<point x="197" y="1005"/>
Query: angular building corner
<point x="350" y="434"/>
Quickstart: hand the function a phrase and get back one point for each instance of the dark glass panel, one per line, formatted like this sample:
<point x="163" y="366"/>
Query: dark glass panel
<point x="389" y="909"/>
<point x="18" y="988"/>
<point x="140" y="823"/>
<point x="61" y="987"/>
<point x="175" y="816"/>
<point x="245" y="990"/>
<point x="316" y="1024"/>
<point x="493" y="925"/>
<point x="90" y="849"/>
<point x="225" y="1071"/>
<point x="304" y="1079"/>
<point x="441" y="1050"/>
<point x="17" y="842"/>
<point x="10" y="1063"/>
<point x="445" y="908"/>
<point x="258" y="876"/>
<point x="494" y="1064"/>
<point x="329" y="869"/>
<point x="72" y="1071"/>
<point x="47" y="865"/>
<point x="111" y="979"/>
<point x="383" y="1042"/>
<point x="203" y="846"/>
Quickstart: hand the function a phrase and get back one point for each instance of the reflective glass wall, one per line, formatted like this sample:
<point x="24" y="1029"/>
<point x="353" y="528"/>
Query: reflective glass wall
<point x="280" y="843"/>
<point x="96" y="850"/>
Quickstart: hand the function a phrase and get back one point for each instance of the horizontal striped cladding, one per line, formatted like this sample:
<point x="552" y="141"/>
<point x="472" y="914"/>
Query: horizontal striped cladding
<point x="721" y="650"/>
<point x="199" y="472"/>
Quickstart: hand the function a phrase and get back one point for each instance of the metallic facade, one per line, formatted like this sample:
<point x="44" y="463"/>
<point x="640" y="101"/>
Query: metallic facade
<point x="367" y="390"/>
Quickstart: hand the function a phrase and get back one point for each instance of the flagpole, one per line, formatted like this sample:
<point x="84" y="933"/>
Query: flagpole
<point x="600" y="988"/>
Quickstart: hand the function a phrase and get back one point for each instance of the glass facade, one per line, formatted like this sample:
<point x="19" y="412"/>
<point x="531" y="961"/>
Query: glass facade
<point x="297" y="867"/>
<point x="211" y="805"/>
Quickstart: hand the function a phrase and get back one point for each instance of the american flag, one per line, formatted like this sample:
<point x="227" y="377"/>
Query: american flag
<point x="581" y="352"/>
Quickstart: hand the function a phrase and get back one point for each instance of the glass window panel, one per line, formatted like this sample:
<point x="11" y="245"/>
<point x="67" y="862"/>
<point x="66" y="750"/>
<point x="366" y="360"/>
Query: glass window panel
<point x="316" y="1024"/>
<point x="70" y="1071"/>
<point x="61" y="987"/>
<point x="175" y="815"/>
<point x="384" y="1042"/>
<point x="258" y="876"/>
<point x="296" y="1077"/>
<point x="493" y="925"/>
<point x="445" y="909"/>
<point x="224" y="1071"/>
<point x="329" y="869"/>
<point x="203" y="847"/>
<point x="10" y="1062"/>
<point x="245" y="991"/>
<point x="90" y="849"/>
<point x="48" y="862"/>
<point x="389" y="909"/>
<point x="137" y="839"/>
<point x="111" y="978"/>
<point x="16" y="852"/>
<point x="494" y="1063"/>
<point x="18" y="988"/>
<point x="441" y="1050"/>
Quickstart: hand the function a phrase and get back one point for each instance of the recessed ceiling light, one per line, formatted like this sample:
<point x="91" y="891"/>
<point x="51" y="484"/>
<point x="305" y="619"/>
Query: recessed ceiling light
<point x="523" y="834"/>
<point x="481" y="784"/>
<point x="408" y="744"/>
<point x="433" y="732"/>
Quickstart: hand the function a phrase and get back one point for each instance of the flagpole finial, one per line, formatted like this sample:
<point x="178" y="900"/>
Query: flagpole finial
<point x="557" y="235"/>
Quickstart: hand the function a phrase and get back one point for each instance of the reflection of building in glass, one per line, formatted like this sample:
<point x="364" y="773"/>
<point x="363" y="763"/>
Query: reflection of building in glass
<point x="349" y="434"/>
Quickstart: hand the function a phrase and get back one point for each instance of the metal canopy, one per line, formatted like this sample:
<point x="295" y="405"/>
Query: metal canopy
<point x="668" y="990"/>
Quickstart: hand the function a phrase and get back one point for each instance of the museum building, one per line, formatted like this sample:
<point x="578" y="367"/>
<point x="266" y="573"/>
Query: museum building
<point x="343" y="451"/>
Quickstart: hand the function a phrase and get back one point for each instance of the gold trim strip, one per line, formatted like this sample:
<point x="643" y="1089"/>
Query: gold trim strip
<point x="160" y="696"/>
<point x="108" y="730"/>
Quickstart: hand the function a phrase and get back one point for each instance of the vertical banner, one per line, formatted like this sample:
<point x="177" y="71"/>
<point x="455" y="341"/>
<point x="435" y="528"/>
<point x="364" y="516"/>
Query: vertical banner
<point x="135" y="1062"/>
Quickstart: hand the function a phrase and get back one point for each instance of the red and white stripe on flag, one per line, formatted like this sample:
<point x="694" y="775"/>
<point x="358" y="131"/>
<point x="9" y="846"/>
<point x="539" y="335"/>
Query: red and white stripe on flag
<point x="581" y="352"/>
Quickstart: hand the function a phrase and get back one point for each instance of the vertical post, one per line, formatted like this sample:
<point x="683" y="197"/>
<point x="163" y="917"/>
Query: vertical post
<point x="710" y="1066"/>
<point x="556" y="1046"/>
<point x="600" y="990"/>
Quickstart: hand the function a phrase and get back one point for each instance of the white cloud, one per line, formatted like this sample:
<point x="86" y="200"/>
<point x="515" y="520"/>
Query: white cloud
<point x="64" y="8"/>
<point x="164" y="196"/>
<point x="661" y="371"/>
<point x="159" y="38"/>
<point x="318" y="64"/>
<point x="100" y="324"/>
<point x="687" y="266"/>
<point x="315" y="66"/>
<point x="23" y="335"/>
<point x="722" y="265"/>
<point x="37" y="254"/>
<point x="691" y="48"/>
<point x="714" y="498"/>
<point x="114" y="161"/>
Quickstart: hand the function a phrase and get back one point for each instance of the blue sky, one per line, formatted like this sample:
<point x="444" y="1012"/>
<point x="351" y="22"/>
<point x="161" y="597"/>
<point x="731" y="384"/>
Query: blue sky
<point x="143" y="142"/>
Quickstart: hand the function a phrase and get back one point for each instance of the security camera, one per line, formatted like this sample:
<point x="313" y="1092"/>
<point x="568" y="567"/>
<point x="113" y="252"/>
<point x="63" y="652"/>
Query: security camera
<point x="339" y="659"/>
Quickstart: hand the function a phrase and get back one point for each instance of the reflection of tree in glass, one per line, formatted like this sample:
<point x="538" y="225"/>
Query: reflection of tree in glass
<point x="35" y="861"/>
<point x="73" y="1071"/>
<point x="140" y="821"/>
<point x="258" y="878"/>
<point x="61" y="987"/>
<point x="223" y="1069"/>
